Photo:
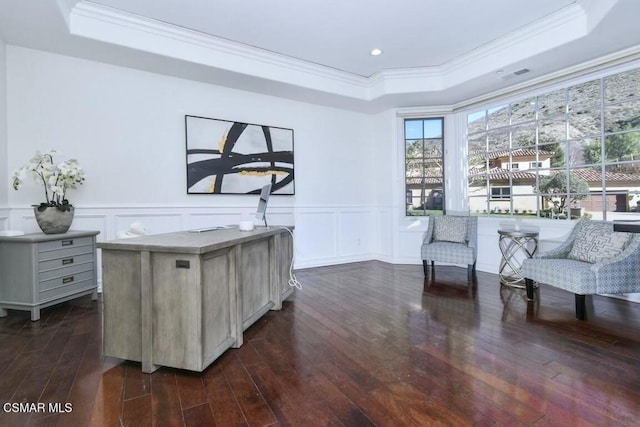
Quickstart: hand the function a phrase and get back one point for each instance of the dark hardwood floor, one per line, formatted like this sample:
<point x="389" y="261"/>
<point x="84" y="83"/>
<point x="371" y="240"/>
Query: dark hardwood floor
<point x="361" y="344"/>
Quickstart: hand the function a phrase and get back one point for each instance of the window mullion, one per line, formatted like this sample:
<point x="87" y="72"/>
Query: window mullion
<point x="603" y="151"/>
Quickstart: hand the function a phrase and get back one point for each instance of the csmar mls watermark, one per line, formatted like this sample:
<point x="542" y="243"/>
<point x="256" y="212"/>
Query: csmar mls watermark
<point x="37" y="407"/>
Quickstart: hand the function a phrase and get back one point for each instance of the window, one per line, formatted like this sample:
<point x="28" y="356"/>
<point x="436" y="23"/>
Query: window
<point x="424" y="171"/>
<point x="582" y="145"/>
<point x="500" y="192"/>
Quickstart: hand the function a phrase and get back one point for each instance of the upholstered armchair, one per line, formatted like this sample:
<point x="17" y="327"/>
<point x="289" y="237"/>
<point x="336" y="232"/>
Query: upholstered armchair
<point x="593" y="260"/>
<point x="451" y="239"/>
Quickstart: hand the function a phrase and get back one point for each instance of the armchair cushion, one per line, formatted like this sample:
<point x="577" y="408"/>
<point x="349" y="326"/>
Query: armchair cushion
<point x="596" y="242"/>
<point x="568" y="274"/>
<point x="450" y="229"/>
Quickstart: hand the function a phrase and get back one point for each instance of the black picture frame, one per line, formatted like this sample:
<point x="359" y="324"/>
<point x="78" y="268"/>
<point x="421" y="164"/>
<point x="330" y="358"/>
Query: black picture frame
<point x="228" y="157"/>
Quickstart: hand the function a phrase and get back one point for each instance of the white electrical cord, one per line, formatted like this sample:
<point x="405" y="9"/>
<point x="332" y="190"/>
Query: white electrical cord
<point x="293" y="280"/>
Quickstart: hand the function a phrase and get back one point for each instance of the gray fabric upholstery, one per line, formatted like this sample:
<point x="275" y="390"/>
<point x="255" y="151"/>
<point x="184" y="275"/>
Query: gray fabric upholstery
<point x="595" y="242"/>
<point x="448" y="228"/>
<point x="450" y="252"/>
<point x="619" y="274"/>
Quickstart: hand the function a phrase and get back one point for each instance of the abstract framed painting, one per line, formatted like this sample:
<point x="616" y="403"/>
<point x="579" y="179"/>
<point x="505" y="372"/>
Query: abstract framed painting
<point x="225" y="157"/>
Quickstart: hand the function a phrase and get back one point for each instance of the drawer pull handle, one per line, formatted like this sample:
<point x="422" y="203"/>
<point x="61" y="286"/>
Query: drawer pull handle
<point x="67" y="261"/>
<point x="67" y="279"/>
<point x="67" y="242"/>
<point x="183" y="263"/>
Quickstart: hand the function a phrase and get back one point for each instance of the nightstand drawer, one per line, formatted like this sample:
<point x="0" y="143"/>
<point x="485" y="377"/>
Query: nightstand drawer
<point x="66" y="290"/>
<point x="64" y="252"/>
<point x="70" y="279"/>
<point x="64" y="243"/>
<point x="66" y="270"/>
<point x="65" y="257"/>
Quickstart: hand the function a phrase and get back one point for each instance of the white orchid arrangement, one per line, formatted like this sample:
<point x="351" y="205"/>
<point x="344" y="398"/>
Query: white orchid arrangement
<point x="56" y="178"/>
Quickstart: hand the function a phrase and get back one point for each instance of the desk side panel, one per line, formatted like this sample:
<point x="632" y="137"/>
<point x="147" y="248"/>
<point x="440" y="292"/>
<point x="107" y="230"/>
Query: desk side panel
<point x="219" y="317"/>
<point x="285" y="258"/>
<point x="177" y="310"/>
<point x="121" y="295"/>
<point x="255" y="280"/>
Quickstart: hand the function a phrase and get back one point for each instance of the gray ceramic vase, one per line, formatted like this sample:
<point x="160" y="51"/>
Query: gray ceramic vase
<point x="54" y="221"/>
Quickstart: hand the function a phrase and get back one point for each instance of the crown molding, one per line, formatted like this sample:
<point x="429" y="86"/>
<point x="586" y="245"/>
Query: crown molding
<point x="568" y="24"/>
<point x="596" y="10"/>
<point x="95" y="21"/>
<point x="422" y="111"/>
<point x="66" y="6"/>
<point x="407" y="80"/>
<point x="624" y="56"/>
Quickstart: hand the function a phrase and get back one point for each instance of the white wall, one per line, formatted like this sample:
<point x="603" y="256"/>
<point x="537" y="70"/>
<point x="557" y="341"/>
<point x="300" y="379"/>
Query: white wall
<point x="4" y="174"/>
<point x="126" y="127"/>
<point x="385" y="181"/>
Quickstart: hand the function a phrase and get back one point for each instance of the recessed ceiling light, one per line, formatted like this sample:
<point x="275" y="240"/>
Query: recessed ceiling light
<point x="376" y="52"/>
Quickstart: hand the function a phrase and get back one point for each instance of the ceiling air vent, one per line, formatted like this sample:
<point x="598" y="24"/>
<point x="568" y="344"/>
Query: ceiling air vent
<point x="514" y="74"/>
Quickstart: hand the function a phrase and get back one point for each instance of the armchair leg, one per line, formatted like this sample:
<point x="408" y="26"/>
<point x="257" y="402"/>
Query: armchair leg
<point x="529" y="285"/>
<point x="470" y="270"/>
<point x="425" y="267"/>
<point x="581" y="307"/>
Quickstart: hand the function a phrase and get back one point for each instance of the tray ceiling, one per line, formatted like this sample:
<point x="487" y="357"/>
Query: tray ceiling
<point x="434" y="52"/>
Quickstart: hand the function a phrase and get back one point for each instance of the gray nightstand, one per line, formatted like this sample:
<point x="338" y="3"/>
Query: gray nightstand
<point x="38" y="270"/>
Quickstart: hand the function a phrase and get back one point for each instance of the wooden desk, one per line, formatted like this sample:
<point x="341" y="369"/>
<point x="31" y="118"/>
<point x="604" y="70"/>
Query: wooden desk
<point x="182" y="299"/>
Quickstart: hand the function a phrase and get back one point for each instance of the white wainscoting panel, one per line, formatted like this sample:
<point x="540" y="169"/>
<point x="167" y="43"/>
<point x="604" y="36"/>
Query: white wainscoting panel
<point x="357" y="234"/>
<point x="384" y="238"/>
<point x="211" y="219"/>
<point x="4" y="219"/>
<point x="326" y="236"/>
<point x="153" y="223"/>
<point x="409" y="249"/>
<point x="315" y="237"/>
<point x="87" y="221"/>
<point x="24" y="220"/>
<point x="275" y="217"/>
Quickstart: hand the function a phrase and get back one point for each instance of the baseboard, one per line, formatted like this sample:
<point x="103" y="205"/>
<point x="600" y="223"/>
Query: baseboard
<point x="323" y="262"/>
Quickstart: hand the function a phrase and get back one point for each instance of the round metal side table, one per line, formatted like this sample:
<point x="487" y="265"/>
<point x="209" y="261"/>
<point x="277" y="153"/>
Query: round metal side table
<point x="515" y="246"/>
